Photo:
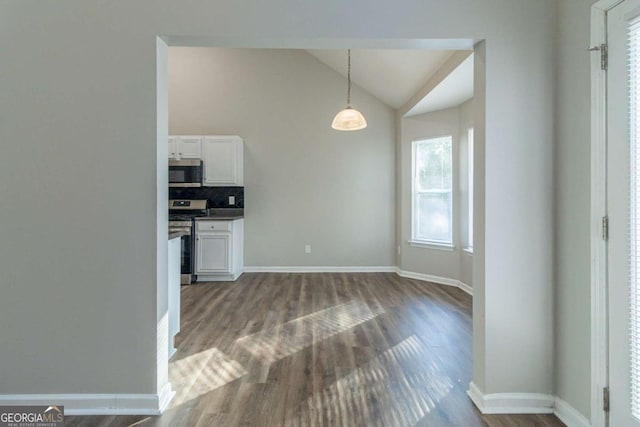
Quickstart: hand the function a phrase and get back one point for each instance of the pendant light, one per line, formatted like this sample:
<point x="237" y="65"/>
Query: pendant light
<point x="349" y="118"/>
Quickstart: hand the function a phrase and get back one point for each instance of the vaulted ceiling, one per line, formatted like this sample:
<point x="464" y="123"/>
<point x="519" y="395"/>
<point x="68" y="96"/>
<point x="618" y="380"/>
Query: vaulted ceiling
<point x="395" y="76"/>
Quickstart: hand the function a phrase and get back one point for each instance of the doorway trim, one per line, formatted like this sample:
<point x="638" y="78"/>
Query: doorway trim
<point x="599" y="309"/>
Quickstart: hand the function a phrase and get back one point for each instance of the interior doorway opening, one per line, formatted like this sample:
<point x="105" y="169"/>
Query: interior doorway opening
<point x="164" y="122"/>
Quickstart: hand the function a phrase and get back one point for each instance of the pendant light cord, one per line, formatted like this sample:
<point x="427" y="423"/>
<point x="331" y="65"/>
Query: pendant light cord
<point x="349" y="118"/>
<point x="349" y="78"/>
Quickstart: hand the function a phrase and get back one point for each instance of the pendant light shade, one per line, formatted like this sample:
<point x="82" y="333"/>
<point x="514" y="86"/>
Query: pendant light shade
<point x="349" y="118"/>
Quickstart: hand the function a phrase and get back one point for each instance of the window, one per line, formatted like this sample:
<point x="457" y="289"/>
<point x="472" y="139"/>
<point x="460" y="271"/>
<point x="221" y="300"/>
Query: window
<point x="470" y="183"/>
<point x="634" y="204"/>
<point x="432" y="198"/>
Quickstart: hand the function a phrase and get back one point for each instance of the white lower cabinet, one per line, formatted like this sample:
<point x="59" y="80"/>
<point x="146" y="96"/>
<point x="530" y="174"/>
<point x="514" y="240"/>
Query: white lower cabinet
<point x="214" y="253"/>
<point x="219" y="250"/>
<point x="173" y="293"/>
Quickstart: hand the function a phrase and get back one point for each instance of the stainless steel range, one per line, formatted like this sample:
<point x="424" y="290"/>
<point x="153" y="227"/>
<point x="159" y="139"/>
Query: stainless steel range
<point x="181" y="218"/>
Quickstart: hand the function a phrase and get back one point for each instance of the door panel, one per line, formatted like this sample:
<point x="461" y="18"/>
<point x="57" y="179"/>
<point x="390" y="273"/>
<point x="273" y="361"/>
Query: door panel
<point x="190" y="147"/>
<point x="621" y="141"/>
<point x="220" y="161"/>
<point x="172" y="147"/>
<point x="213" y="253"/>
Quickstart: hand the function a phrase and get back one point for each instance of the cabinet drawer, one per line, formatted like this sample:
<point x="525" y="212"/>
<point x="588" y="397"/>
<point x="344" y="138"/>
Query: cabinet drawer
<point x="204" y="226"/>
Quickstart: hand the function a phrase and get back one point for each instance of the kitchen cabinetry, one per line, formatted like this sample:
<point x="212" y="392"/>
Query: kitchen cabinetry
<point x="173" y="292"/>
<point x="214" y="252"/>
<point x="172" y="147"/>
<point x="185" y="147"/>
<point x="219" y="249"/>
<point x="223" y="159"/>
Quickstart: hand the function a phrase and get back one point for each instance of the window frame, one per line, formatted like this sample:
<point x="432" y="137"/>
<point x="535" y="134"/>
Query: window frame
<point x="431" y="243"/>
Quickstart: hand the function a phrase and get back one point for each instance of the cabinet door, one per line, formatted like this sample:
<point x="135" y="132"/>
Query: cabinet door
<point x="190" y="147"/>
<point x="174" y="291"/>
<point x="213" y="253"/>
<point x="173" y="146"/>
<point x="220" y="161"/>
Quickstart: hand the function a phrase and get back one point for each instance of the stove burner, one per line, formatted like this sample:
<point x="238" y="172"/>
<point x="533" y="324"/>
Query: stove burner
<point x="186" y="210"/>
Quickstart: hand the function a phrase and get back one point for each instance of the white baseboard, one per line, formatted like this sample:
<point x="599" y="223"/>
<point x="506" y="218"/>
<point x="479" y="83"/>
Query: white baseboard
<point x="428" y="278"/>
<point x="511" y="403"/>
<point x="475" y="395"/>
<point x="97" y="404"/>
<point x="164" y="397"/>
<point x="527" y="403"/>
<point x="436" y="279"/>
<point x="314" y="269"/>
<point x="569" y="415"/>
<point x="354" y="269"/>
<point x="218" y="277"/>
<point x="465" y="288"/>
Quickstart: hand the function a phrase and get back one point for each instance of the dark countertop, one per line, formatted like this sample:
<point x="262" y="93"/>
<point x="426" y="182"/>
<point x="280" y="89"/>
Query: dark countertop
<point x="219" y="217"/>
<point x="222" y="214"/>
<point x="176" y="234"/>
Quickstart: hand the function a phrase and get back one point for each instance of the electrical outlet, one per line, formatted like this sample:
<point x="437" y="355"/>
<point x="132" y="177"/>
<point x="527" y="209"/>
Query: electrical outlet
<point x="232" y="200"/>
<point x="307" y="249"/>
<point x="398" y="249"/>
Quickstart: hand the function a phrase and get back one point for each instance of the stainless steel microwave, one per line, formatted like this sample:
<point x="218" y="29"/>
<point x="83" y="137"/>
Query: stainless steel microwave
<point x="185" y="173"/>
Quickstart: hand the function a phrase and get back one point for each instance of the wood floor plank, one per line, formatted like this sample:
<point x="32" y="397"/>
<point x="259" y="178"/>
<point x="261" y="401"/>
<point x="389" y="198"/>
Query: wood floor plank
<point x="322" y="349"/>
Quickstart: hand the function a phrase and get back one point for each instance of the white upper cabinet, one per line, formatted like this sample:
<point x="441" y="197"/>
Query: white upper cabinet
<point x="172" y="147"/>
<point x="185" y="147"/>
<point x="223" y="158"/>
<point x="190" y="147"/>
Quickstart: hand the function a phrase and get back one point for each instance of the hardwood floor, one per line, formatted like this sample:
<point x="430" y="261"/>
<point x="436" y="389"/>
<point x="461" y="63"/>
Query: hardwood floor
<point x="322" y="350"/>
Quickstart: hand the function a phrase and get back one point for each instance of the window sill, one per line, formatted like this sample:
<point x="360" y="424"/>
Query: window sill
<point x="431" y="245"/>
<point x="468" y="250"/>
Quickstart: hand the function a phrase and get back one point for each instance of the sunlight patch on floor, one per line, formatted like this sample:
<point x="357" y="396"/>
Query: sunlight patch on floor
<point x="284" y="340"/>
<point x="398" y="387"/>
<point x="201" y="373"/>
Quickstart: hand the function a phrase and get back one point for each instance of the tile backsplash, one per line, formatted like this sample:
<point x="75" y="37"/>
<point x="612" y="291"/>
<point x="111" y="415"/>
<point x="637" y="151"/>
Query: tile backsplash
<point x="218" y="197"/>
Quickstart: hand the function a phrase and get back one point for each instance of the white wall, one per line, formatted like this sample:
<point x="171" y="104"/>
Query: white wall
<point x="79" y="136"/>
<point x="518" y="223"/>
<point x="456" y="264"/>
<point x="572" y="206"/>
<point x="437" y="262"/>
<point x="480" y="212"/>
<point x="79" y="272"/>
<point x="466" y="258"/>
<point x="305" y="183"/>
<point x="162" y="249"/>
